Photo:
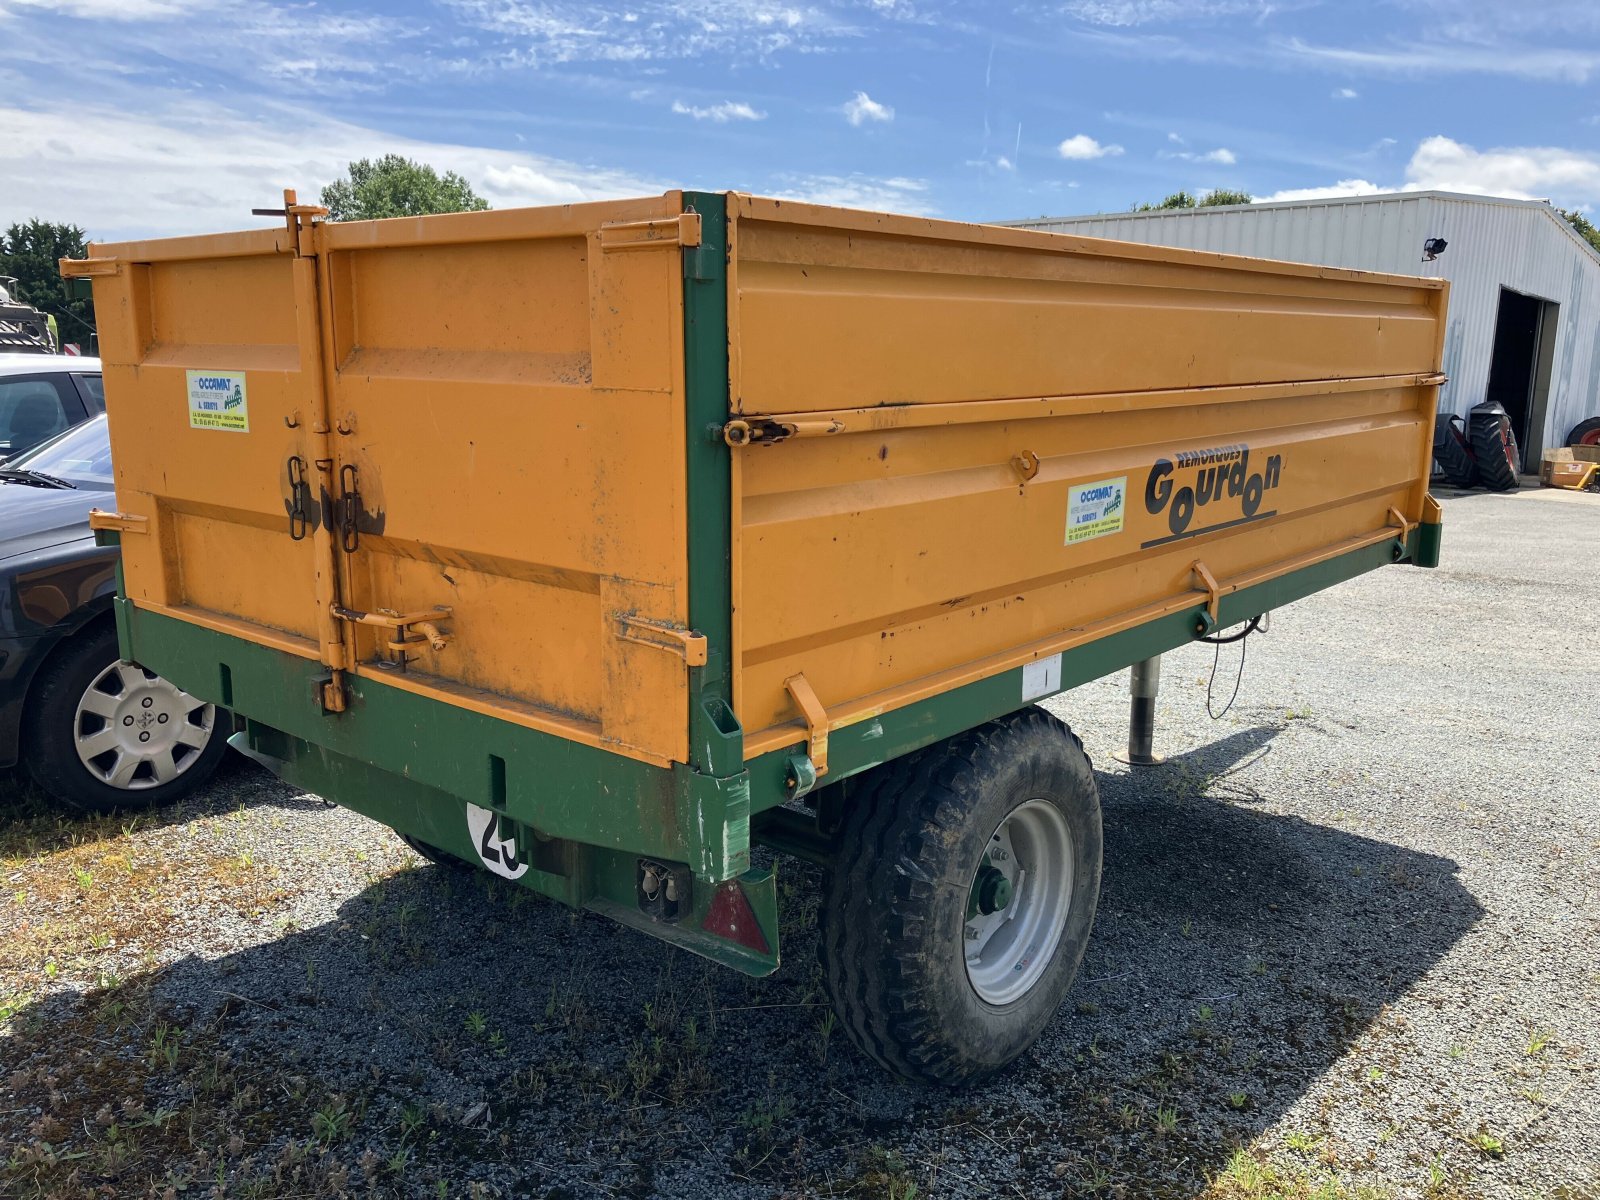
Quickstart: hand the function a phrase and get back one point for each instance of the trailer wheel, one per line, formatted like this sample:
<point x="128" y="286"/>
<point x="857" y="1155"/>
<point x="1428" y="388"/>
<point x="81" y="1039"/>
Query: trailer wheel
<point x="1585" y="433"/>
<point x="1494" y="446"/>
<point x="957" y="911"/>
<point x="1451" y="453"/>
<point x="433" y="854"/>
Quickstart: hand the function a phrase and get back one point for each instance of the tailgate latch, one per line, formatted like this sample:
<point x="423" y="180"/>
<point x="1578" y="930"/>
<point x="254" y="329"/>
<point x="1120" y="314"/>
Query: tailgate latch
<point x="408" y="629"/>
<point x="675" y="639"/>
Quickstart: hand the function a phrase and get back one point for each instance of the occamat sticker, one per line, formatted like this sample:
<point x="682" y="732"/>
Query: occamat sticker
<point x="498" y="853"/>
<point x="218" y="400"/>
<point x="1095" y="509"/>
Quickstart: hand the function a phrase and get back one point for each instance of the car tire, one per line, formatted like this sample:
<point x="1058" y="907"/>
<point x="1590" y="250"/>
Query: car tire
<point x="82" y="727"/>
<point x="934" y="972"/>
<point x="1585" y="433"/>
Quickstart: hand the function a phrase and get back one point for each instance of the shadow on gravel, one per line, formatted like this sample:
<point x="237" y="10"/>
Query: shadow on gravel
<point x="26" y="811"/>
<point x="445" y="1031"/>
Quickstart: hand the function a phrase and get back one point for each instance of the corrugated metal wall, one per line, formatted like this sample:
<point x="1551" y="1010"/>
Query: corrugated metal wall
<point x="1521" y="245"/>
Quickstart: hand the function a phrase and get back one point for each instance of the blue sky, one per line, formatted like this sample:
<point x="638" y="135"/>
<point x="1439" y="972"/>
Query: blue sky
<point x="136" y="117"/>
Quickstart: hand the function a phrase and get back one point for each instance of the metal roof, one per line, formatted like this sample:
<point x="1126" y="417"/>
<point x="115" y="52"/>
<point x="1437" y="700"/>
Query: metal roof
<point x="1543" y="206"/>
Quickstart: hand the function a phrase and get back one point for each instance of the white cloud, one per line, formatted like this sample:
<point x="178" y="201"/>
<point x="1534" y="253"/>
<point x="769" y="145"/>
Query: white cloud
<point x="1221" y="155"/>
<point x="862" y="107"/>
<point x="1345" y="187"/>
<point x="112" y="10"/>
<point x="191" y="167"/>
<point x="559" y="31"/>
<point x="1081" y="146"/>
<point x="895" y="194"/>
<point x="1568" y="177"/>
<point x="1345" y="93"/>
<point x="728" y="110"/>
<point x="1557" y="63"/>
<point x="1147" y="12"/>
<point x="1525" y="172"/>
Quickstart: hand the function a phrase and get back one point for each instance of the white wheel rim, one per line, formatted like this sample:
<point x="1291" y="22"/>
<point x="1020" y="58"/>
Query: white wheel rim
<point x="1008" y="950"/>
<point x="133" y="730"/>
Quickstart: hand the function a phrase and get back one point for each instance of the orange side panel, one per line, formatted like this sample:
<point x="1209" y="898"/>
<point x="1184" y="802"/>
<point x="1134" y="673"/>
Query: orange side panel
<point x="981" y="440"/>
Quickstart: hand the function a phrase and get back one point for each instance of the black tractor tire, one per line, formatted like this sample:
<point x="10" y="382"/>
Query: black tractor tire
<point x="895" y="910"/>
<point x="51" y="724"/>
<point x="1451" y="452"/>
<point x="1494" y="446"/>
<point x="1585" y="433"/>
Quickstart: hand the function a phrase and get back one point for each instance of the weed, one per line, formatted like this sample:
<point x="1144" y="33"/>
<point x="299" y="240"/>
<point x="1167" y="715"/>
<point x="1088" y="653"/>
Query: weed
<point x="1537" y="1042"/>
<point x="331" y="1122"/>
<point x="1301" y="1141"/>
<point x="476" y="1023"/>
<point x="826" y="1024"/>
<point x="1238" y="1099"/>
<point x="1488" y="1144"/>
<point x="1167" y="1119"/>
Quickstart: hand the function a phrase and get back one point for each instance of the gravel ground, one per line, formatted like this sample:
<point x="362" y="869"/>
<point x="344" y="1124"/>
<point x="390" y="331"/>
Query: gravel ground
<point x="1348" y="945"/>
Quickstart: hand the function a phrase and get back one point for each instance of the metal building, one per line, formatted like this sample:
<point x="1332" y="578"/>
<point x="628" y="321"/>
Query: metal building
<point x="1524" y="325"/>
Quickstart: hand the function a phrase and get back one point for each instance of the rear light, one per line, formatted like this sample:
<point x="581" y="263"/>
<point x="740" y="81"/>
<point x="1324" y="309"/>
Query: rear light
<point x="730" y="916"/>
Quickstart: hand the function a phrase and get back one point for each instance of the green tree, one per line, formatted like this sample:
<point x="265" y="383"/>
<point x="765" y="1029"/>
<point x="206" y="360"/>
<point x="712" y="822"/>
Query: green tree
<point x="31" y="253"/>
<point x="394" y="186"/>
<point x="1176" y="200"/>
<point x="1207" y="200"/>
<point x="1583" y="225"/>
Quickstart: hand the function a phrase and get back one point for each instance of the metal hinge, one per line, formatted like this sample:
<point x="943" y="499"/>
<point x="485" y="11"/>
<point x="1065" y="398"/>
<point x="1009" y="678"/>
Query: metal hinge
<point x="83" y="268"/>
<point x="681" y="230"/>
<point x="120" y="521"/>
<point x="691" y="646"/>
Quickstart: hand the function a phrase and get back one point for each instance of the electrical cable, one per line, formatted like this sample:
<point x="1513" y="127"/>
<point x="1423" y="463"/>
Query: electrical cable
<point x="1253" y="625"/>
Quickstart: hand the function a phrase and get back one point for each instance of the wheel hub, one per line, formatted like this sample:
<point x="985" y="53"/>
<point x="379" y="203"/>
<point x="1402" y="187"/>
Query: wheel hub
<point x="135" y="730"/>
<point x="992" y="891"/>
<point x="1018" y="902"/>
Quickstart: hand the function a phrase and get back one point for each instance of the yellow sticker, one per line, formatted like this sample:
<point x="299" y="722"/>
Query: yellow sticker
<point x="1095" y="509"/>
<point x="217" y="400"/>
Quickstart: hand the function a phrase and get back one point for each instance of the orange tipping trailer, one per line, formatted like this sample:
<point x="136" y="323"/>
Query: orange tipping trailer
<point x="582" y="543"/>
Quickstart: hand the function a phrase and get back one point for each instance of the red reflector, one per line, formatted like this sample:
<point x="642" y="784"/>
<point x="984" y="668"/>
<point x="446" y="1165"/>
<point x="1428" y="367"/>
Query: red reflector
<point x="730" y="916"/>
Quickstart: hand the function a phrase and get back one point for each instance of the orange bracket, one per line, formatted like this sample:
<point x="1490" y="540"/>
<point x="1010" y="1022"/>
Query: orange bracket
<point x="120" y="521"/>
<point x="686" y="643"/>
<point x="816" y="718"/>
<point x="681" y="230"/>
<point x="1212" y="589"/>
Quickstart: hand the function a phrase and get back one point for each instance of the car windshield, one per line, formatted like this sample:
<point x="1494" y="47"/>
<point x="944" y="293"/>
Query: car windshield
<point x="81" y="455"/>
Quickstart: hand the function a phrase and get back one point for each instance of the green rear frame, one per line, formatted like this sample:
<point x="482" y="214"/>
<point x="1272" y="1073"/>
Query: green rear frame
<point x="583" y="818"/>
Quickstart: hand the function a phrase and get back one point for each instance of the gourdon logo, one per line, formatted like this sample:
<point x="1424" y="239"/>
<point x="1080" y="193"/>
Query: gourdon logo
<point x="1221" y="474"/>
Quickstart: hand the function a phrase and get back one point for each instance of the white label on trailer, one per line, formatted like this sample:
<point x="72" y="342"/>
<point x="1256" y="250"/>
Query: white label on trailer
<point x="218" y="400"/>
<point x="1041" y="677"/>
<point x="497" y="853"/>
<point x="1095" y="509"/>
